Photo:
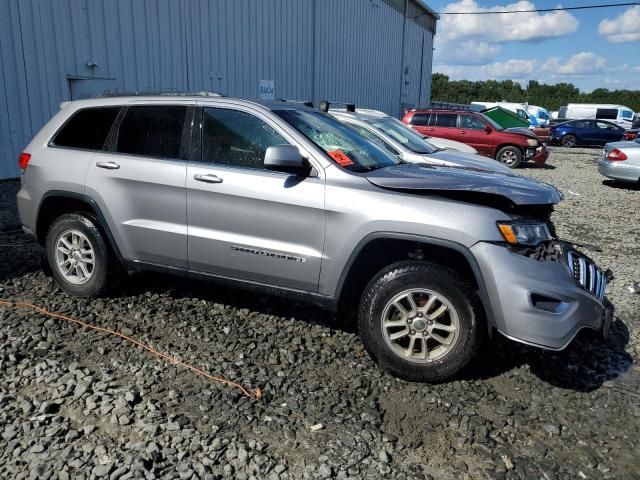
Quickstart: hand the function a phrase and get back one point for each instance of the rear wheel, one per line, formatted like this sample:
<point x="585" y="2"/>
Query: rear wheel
<point x="569" y="141"/>
<point x="510" y="156"/>
<point x="420" y="321"/>
<point x="78" y="255"/>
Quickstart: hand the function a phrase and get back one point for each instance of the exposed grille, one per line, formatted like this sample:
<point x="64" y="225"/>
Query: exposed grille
<point x="587" y="274"/>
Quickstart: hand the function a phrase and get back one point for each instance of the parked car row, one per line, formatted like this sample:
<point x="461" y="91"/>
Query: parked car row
<point x="511" y="146"/>
<point x="282" y="198"/>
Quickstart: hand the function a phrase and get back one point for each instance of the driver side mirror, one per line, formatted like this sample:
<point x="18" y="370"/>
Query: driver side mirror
<point x="286" y="158"/>
<point x="487" y="128"/>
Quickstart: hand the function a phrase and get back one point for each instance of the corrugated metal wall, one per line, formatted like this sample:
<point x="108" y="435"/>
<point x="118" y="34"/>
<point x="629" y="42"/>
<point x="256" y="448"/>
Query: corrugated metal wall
<point x="55" y="50"/>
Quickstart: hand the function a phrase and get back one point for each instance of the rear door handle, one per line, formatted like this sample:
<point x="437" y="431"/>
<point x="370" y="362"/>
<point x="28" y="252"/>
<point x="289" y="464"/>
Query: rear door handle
<point x="108" y="165"/>
<point x="461" y="131"/>
<point x="209" y="178"/>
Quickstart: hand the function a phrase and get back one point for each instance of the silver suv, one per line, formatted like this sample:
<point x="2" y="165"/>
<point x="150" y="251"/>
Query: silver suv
<point x="285" y="199"/>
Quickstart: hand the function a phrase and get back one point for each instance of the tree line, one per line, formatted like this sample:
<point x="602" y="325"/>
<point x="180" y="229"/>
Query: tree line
<point x="550" y="97"/>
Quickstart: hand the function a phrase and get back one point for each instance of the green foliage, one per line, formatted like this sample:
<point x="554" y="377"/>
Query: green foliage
<point x="550" y="97"/>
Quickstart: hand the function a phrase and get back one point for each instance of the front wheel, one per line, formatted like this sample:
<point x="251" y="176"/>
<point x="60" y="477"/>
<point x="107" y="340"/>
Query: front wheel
<point x="420" y="321"/>
<point x="510" y="156"/>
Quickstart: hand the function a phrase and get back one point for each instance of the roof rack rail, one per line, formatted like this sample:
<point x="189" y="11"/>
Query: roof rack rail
<point x="306" y="103"/>
<point x="325" y="104"/>
<point x="449" y="105"/>
<point x="163" y="93"/>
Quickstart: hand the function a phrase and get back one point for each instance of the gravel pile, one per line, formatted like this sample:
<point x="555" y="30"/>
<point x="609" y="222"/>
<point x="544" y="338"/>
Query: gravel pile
<point x="75" y="403"/>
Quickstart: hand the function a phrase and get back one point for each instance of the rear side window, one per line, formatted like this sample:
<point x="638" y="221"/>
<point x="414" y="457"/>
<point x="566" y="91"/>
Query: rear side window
<point x="446" y="120"/>
<point x="232" y="137"/>
<point x="607" y="113"/>
<point x="153" y="131"/>
<point x="87" y="128"/>
<point x="419" y="119"/>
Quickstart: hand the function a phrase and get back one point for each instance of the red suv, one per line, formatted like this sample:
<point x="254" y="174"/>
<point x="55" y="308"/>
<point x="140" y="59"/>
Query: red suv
<point x="511" y="146"/>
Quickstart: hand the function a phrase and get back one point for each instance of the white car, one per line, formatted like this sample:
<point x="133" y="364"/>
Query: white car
<point x="444" y="144"/>
<point x="401" y="140"/>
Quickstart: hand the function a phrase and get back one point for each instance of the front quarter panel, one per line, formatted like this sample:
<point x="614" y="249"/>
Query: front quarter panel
<point x="356" y="209"/>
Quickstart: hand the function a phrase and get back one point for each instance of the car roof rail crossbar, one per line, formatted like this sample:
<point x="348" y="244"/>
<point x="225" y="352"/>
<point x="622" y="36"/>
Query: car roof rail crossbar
<point x="163" y="93"/>
<point x="306" y="103"/>
<point x="449" y="105"/>
<point x="325" y="104"/>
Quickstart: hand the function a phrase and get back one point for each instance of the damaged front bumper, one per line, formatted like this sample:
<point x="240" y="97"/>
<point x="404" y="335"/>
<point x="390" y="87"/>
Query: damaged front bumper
<point x="544" y="301"/>
<point x="538" y="155"/>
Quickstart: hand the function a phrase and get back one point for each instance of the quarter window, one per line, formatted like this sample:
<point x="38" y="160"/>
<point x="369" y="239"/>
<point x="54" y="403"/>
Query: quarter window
<point x="153" y="131"/>
<point x="447" y="120"/>
<point x="607" y="113"/>
<point x="87" y="128"/>
<point x="231" y="137"/>
<point x="419" y="119"/>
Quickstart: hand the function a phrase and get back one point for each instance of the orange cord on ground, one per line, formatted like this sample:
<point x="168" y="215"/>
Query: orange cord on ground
<point x="165" y="356"/>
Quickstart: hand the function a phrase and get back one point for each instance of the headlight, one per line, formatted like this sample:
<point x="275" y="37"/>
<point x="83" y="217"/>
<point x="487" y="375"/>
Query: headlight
<point x="532" y="142"/>
<point x="530" y="234"/>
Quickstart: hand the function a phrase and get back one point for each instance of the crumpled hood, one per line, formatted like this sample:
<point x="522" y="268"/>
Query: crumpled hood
<point x="470" y="160"/>
<point x="433" y="178"/>
<point x="521" y="130"/>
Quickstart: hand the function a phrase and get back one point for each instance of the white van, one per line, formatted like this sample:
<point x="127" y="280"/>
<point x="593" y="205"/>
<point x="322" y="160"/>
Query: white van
<point x="541" y="115"/>
<point x="619" y="114"/>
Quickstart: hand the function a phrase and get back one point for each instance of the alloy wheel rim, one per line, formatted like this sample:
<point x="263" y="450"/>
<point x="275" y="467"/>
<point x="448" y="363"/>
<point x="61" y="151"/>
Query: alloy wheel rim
<point x="75" y="258"/>
<point x="420" y="325"/>
<point x="509" y="157"/>
<point x="569" y="142"/>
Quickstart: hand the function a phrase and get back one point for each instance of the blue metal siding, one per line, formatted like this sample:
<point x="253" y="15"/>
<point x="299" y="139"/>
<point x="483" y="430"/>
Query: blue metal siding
<point x="338" y="50"/>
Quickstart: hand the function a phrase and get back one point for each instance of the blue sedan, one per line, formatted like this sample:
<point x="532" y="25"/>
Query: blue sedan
<point x="585" y="132"/>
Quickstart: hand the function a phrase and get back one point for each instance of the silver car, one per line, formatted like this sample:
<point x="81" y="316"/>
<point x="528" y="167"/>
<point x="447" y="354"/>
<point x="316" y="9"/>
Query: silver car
<point x="403" y="141"/>
<point x="621" y="161"/>
<point x="284" y="199"/>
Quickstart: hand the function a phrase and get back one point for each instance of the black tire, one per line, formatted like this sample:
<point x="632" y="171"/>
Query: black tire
<point x="88" y="226"/>
<point x="400" y="277"/>
<point x="510" y="156"/>
<point x="569" y="141"/>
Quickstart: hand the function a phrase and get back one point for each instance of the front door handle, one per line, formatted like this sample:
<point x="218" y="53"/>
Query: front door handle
<point x="108" y="165"/>
<point x="209" y="178"/>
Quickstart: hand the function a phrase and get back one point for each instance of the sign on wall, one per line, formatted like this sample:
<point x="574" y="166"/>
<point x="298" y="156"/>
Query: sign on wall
<point x="266" y="90"/>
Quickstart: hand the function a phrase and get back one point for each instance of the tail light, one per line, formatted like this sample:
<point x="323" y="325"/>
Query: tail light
<point x="23" y="160"/>
<point x="616" y="155"/>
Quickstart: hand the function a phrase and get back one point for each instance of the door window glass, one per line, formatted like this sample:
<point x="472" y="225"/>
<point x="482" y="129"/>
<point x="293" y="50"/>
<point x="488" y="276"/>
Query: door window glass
<point x="153" y="131"/>
<point x="469" y="122"/>
<point x="580" y="124"/>
<point x="232" y="137"/>
<point x="87" y="128"/>
<point x="604" y="125"/>
<point x="627" y="114"/>
<point x="446" y="120"/>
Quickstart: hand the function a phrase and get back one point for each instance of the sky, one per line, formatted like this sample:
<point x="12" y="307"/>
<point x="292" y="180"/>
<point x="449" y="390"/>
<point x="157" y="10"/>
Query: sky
<point x="597" y="48"/>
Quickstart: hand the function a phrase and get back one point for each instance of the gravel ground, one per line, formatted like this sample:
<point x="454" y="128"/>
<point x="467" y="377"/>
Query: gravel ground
<point x="75" y="403"/>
